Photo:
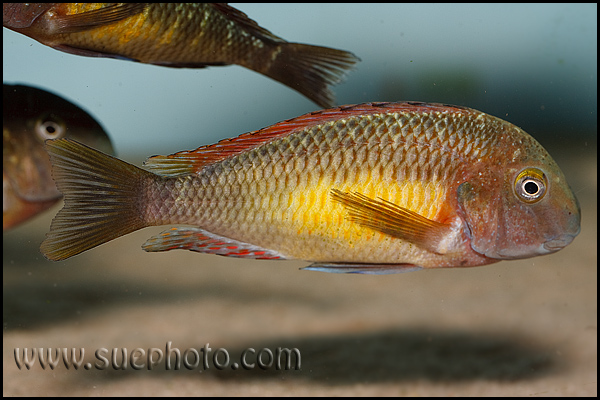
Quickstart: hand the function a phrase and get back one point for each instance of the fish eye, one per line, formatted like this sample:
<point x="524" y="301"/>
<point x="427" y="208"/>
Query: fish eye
<point x="47" y="128"/>
<point x="530" y="185"/>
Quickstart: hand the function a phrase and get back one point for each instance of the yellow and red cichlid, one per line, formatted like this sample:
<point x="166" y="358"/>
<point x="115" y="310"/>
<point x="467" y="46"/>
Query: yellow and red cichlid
<point x="188" y="35"/>
<point x="370" y="188"/>
<point x="31" y="116"/>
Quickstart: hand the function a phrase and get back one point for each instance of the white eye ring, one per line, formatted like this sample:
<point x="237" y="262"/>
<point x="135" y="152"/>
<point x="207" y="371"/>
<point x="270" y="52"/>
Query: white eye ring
<point x="530" y="185"/>
<point x="49" y="129"/>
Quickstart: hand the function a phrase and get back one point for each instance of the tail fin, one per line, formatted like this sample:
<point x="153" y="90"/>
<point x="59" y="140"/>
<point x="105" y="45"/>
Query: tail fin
<point x="102" y="199"/>
<point x="311" y="70"/>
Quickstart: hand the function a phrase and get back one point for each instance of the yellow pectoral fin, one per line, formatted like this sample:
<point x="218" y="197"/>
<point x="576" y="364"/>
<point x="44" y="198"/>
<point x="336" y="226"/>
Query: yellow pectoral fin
<point x="95" y="18"/>
<point x="390" y="219"/>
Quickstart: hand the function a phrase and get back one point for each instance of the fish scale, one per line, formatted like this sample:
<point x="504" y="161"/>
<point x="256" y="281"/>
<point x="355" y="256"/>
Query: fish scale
<point x="371" y="188"/>
<point x="261" y="198"/>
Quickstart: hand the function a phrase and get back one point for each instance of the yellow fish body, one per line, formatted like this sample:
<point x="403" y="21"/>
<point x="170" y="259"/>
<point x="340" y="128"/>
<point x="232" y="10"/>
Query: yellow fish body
<point x="372" y="188"/>
<point x="190" y="35"/>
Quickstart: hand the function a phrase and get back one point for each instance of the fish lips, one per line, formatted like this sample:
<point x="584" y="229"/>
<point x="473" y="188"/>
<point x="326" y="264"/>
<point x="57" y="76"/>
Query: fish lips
<point x="556" y="244"/>
<point x="551" y="245"/>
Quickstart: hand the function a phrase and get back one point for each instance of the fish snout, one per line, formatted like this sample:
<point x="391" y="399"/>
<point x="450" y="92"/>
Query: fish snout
<point x="554" y="245"/>
<point x="557" y="242"/>
<point x="569" y="229"/>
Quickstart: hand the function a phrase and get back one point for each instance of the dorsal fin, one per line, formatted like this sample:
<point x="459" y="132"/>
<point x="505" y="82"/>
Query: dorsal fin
<point x="188" y="162"/>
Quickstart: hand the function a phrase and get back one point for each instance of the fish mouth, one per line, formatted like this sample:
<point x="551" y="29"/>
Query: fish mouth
<point x="548" y="247"/>
<point x="556" y="244"/>
<point x="571" y="229"/>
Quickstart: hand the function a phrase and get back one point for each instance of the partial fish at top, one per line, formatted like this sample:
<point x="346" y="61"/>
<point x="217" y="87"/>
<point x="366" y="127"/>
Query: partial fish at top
<point x="190" y="35"/>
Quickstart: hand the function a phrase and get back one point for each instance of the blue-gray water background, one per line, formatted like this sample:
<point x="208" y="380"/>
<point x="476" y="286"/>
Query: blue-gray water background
<point x="534" y="65"/>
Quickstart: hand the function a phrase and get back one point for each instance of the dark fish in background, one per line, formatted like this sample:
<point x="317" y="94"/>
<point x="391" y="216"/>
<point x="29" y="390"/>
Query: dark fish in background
<point x="371" y="188"/>
<point x="30" y="117"/>
<point x="190" y="35"/>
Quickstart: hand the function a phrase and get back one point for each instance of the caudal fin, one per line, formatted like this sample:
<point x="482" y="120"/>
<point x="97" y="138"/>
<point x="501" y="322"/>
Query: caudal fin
<point x="102" y="199"/>
<point x="311" y="70"/>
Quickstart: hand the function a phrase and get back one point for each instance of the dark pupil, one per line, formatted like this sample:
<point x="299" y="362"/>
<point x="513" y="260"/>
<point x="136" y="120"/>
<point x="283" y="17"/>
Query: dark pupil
<point x="50" y="129"/>
<point x="531" y="188"/>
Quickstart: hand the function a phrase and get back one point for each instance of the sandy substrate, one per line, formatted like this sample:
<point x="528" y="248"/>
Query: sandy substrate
<point x="514" y="328"/>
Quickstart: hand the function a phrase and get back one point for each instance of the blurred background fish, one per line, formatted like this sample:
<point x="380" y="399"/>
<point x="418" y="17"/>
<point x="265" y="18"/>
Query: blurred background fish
<point x="371" y="188"/>
<point x="181" y="35"/>
<point x="30" y="117"/>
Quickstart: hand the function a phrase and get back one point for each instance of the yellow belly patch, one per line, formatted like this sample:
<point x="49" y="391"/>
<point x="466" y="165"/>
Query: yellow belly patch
<point x="314" y="212"/>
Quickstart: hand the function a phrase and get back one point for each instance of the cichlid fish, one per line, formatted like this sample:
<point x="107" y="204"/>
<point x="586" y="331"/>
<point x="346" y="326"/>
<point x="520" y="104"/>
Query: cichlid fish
<point x="190" y="35"/>
<point x="371" y="188"/>
<point x="32" y="116"/>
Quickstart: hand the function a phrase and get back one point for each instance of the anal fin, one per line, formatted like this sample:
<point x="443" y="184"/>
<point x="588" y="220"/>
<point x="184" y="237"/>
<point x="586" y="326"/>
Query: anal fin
<point x="196" y="239"/>
<point x="370" y="269"/>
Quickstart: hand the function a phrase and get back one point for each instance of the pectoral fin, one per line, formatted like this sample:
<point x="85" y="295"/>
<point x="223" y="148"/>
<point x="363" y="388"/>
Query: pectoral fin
<point x="95" y="18"/>
<point x="390" y="219"/>
<point x="371" y="269"/>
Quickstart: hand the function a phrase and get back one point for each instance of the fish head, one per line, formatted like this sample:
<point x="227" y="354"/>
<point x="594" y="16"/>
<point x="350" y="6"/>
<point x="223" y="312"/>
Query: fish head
<point x="30" y="117"/>
<point x="520" y="205"/>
